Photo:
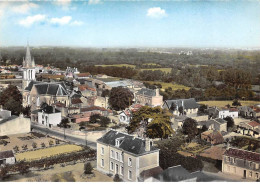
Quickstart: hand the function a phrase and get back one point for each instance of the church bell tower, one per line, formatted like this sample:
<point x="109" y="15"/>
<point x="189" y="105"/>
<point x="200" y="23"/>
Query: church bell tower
<point x="28" y="68"/>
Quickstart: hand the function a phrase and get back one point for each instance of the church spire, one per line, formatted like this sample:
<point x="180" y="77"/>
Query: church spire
<point x="28" y="58"/>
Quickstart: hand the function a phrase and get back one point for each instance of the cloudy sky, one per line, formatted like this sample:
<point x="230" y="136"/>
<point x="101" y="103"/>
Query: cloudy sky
<point x="107" y="23"/>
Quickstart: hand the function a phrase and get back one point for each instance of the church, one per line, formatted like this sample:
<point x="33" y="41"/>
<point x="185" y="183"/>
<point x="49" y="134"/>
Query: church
<point x="35" y="93"/>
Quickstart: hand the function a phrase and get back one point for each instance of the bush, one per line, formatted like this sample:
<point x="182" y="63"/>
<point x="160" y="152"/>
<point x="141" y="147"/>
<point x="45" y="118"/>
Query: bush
<point x="104" y="121"/>
<point x="94" y="118"/>
<point x="34" y="145"/>
<point x="23" y="167"/>
<point x="117" y="178"/>
<point x="51" y="142"/>
<point x="3" y="172"/>
<point x="24" y="147"/>
<point x="43" y="145"/>
<point x="16" y="148"/>
<point x="88" y="168"/>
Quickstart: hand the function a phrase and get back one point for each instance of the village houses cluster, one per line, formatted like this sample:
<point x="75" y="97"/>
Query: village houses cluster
<point x="54" y="95"/>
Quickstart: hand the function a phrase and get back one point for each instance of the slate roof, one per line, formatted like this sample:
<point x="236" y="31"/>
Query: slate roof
<point x="150" y="172"/>
<point x="131" y="144"/>
<point x="174" y="174"/>
<point x="30" y="85"/>
<point x="48" y="109"/>
<point x="51" y="89"/>
<point x="116" y="84"/>
<point x="207" y="123"/>
<point x="147" y="92"/>
<point x="6" y="154"/>
<point x="187" y="103"/>
<point x="243" y="154"/>
<point x="8" y="119"/>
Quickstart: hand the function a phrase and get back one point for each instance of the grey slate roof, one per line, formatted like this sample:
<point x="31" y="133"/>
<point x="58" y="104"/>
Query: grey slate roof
<point x="147" y="92"/>
<point x="207" y="123"/>
<point x="187" y="103"/>
<point x="6" y="154"/>
<point x="30" y="85"/>
<point x="174" y="174"/>
<point x="51" y="88"/>
<point x="8" y="119"/>
<point x="129" y="143"/>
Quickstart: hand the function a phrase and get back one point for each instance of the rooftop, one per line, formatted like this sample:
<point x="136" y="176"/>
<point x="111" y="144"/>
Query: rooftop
<point x="186" y="103"/>
<point x="6" y="154"/>
<point x="243" y="154"/>
<point x="129" y="143"/>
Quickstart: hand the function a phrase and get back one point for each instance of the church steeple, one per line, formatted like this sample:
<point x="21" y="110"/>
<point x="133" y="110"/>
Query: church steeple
<point x="28" y="58"/>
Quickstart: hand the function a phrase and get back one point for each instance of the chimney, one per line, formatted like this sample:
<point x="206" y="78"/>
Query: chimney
<point x="157" y="92"/>
<point x="147" y="145"/>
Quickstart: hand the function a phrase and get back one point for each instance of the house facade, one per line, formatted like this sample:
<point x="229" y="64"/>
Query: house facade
<point x="190" y="106"/>
<point x="214" y="124"/>
<point x="49" y="116"/>
<point x="150" y="97"/>
<point x="125" y="155"/>
<point x="223" y="113"/>
<point x="250" y="129"/>
<point x="242" y="163"/>
<point x="7" y="157"/>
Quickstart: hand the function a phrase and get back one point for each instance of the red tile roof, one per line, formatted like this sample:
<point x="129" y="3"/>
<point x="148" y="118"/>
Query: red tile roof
<point x="94" y="108"/>
<point x="253" y="124"/>
<point x="85" y="87"/>
<point x="83" y="75"/>
<point x="243" y="154"/>
<point x="76" y="101"/>
<point x="59" y="104"/>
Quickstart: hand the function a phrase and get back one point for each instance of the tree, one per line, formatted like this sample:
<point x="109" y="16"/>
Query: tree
<point x="94" y="118"/>
<point x="158" y="127"/>
<point x="189" y="128"/>
<point x="120" y="98"/>
<point x="34" y="145"/>
<point x="11" y="99"/>
<point x="180" y="109"/>
<point x="23" y="167"/>
<point x="64" y="123"/>
<point x="230" y="122"/>
<point x="236" y="103"/>
<point x="3" y="172"/>
<point x="173" y="107"/>
<point x="202" y="109"/>
<point x="27" y="111"/>
<point x="88" y="168"/>
<point x="117" y="178"/>
<point x="105" y="93"/>
<point x="16" y="148"/>
<point x="104" y="121"/>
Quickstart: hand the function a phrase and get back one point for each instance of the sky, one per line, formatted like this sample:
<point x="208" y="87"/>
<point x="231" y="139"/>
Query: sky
<point x="133" y="23"/>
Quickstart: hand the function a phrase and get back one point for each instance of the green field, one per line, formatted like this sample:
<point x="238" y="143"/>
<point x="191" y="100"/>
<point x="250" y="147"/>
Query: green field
<point x="118" y="65"/>
<point x="224" y="103"/>
<point x="166" y="85"/>
<point x="167" y="70"/>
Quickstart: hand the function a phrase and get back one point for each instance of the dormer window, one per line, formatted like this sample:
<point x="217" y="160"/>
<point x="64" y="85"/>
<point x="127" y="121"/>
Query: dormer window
<point x="119" y="141"/>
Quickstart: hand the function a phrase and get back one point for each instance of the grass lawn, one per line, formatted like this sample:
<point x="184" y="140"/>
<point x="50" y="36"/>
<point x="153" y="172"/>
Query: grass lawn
<point x="194" y="148"/>
<point x="223" y="103"/>
<point x="118" y="65"/>
<point x="47" y="152"/>
<point x="166" y="85"/>
<point x="167" y="70"/>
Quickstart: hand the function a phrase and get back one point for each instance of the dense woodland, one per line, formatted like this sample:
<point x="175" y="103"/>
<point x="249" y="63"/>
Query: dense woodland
<point x="211" y="74"/>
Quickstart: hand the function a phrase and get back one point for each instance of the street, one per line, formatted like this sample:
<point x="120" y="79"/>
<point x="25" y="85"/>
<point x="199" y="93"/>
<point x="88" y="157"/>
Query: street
<point x="60" y="135"/>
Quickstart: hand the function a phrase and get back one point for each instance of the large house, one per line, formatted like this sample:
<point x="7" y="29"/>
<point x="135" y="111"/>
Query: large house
<point x="7" y="157"/>
<point x="14" y="125"/>
<point x="214" y="124"/>
<point x="212" y="136"/>
<point x="242" y="163"/>
<point x="250" y="129"/>
<point x="216" y="112"/>
<point x="125" y="155"/>
<point x="150" y="97"/>
<point x="190" y="106"/>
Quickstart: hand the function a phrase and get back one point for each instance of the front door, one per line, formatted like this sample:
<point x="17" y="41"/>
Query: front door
<point x="244" y="173"/>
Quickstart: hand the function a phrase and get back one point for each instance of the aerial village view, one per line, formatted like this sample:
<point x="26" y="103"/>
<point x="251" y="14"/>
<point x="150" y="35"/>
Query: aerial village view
<point x="129" y="91"/>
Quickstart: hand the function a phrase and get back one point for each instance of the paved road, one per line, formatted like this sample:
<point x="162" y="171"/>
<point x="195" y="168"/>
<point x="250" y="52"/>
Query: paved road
<point x="60" y="135"/>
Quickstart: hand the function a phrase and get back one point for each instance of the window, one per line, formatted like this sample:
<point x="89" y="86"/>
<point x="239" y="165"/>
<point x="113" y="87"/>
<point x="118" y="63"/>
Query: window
<point x="257" y="175"/>
<point x="130" y="175"/>
<point x="102" y="162"/>
<point x="234" y="160"/>
<point x="121" y="157"/>
<point x="117" y="169"/>
<point x="117" y="143"/>
<point x="129" y="161"/>
<point x="250" y="174"/>
<point x="112" y="155"/>
<point x="122" y="170"/>
<point x="111" y="166"/>
<point x="102" y="150"/>
<point x="228" y="159"/>
<point x="117" y="155"/>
